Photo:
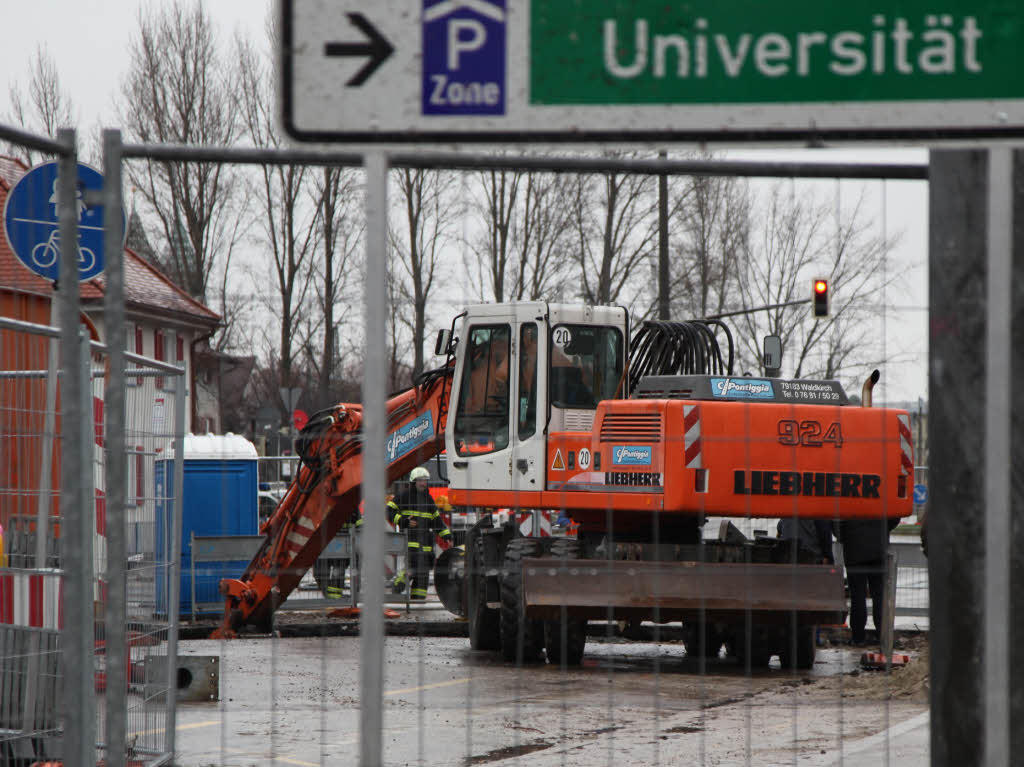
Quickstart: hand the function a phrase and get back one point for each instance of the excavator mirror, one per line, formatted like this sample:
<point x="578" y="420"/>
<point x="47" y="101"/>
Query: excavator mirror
<point x="772" y="356"/>
<point x="444" y="338"/>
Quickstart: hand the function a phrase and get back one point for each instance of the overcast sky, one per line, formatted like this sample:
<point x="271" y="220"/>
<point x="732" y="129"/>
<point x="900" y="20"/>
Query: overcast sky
<point x="88" y="40"/>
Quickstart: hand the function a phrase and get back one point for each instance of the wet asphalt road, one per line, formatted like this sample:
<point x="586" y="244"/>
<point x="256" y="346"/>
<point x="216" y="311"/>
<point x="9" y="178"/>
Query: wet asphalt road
<point x="296" y="702"/>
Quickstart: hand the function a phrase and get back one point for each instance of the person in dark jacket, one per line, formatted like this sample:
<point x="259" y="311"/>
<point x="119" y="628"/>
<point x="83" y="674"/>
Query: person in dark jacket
<point x="865" y="547"/>
<point x="814" y="535"/>
<point x="416" y="514"/>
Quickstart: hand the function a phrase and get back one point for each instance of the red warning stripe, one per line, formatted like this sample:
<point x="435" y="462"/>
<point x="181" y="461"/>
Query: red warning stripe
<point x="692" y="437"/>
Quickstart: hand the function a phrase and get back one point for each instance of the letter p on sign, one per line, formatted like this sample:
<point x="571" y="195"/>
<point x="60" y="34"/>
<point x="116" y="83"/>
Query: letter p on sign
<point x="459" y="43"/>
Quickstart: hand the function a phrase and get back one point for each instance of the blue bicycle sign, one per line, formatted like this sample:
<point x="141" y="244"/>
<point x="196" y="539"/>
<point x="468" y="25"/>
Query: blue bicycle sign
<point x="32" y="222"/>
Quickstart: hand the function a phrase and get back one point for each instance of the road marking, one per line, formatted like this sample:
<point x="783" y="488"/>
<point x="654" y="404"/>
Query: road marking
<point x="435" y="685"/>
<point x="193" y="726"/>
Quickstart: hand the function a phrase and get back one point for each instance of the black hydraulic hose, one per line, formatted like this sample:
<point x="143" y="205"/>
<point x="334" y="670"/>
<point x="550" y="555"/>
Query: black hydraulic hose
<point x="679" y="348"/>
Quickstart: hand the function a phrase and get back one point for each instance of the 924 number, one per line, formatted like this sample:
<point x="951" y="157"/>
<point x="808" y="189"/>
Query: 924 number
<point x="809" y="433"/>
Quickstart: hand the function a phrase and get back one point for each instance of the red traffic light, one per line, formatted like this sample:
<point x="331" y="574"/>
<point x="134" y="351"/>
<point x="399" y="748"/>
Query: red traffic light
<point x="819" y="298"/>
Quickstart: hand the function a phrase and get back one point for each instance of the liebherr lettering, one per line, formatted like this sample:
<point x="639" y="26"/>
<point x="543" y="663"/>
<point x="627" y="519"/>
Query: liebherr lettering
<point x="820" y="483"/>
<point x="633" y="478"/>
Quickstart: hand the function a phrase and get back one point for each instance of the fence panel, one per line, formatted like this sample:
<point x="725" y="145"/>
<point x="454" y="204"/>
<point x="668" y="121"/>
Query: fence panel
<point x="31" y="590"/>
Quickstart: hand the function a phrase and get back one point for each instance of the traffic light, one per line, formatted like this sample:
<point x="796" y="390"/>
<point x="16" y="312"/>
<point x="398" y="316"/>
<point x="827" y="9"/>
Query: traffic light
<point x="819" y="298"/>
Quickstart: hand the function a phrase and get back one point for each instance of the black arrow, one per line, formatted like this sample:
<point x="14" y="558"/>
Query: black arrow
<point x="377" y="48"/>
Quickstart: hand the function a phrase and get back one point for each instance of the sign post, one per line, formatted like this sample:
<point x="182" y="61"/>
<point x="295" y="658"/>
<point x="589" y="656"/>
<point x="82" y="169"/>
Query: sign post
<point x="605" y="70"/>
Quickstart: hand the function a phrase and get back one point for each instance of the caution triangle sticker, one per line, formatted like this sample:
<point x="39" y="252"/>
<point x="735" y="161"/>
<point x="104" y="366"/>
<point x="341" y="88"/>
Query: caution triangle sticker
<point x="558" y="464"/>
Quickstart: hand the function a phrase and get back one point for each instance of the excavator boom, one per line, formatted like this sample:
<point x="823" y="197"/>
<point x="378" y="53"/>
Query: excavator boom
<point x="326" y="494"/>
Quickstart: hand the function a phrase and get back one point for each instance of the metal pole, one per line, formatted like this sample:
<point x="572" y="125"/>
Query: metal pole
<point x="174" y="565"/>
<point x="998" y="467"/>
<point x="663" y="298"/>
<point x="79" y="742"/>
<point x="374" y="473"/>
<point x="887" y="629"/>
<point x="91" y="566"/>
<point x="114" y="400"/>
<point x="49" y="426"/>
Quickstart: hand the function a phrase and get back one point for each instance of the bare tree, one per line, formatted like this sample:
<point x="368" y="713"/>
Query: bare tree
<point x="428" y="212"/>
<point x="178" y="90"/>
<point x="710" y="222"/>
<point x="285" y="219"/>
<point x="799" y="239"/>
<point x="44" y="109"/>
<point x="492" y="250"/>
<point x="615" y="224"/>
<point x="336" y="194"/>
<point x="522" y="251"/>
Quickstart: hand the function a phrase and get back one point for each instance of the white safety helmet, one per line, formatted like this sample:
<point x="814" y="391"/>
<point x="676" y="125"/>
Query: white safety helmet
<point x="419" y="473"/>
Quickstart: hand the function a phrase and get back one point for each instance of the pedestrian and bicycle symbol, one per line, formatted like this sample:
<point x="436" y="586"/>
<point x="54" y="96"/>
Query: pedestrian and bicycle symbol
<point x="32" y="222"/>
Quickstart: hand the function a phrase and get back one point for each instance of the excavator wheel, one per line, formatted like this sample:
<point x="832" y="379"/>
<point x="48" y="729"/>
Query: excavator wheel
<point x="803" y="658"/>
<point x="712" y="640"/>
<point x="484" y="629"/>
<point x="522" y="640"/>
<point x="565" y="639"/>
<point x="758" y="652"/>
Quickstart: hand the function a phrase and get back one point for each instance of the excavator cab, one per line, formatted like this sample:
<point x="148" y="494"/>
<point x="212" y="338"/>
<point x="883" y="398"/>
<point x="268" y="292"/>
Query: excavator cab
<point x="524" y="371"/>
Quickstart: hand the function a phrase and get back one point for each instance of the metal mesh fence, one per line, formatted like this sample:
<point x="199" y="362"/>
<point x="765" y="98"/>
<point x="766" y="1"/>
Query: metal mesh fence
<point x="483" y="684"/>
<point x="32" y="627"/>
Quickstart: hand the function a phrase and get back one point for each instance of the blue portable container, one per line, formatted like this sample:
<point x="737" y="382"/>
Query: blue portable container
<point x="219" y="498"/>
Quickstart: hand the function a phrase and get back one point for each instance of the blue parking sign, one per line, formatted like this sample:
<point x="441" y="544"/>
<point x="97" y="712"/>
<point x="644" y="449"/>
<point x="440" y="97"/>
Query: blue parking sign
<point x="33" y="225"/>
<point x="464" y="57"/>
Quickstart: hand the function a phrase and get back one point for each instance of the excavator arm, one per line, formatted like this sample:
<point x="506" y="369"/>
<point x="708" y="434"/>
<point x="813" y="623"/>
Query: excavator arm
<point x="326" y="493"/>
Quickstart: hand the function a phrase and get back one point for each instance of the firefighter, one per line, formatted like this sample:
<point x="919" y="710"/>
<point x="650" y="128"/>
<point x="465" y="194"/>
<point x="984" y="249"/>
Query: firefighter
<point x="418" y="516"/>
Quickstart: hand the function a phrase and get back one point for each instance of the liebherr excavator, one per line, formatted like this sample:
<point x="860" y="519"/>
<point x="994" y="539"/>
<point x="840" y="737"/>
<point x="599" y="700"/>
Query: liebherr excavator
<point x="541" y="406"/>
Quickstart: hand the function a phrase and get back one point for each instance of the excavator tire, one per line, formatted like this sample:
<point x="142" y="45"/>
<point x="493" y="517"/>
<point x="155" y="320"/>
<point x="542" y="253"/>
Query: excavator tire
<point x="484" y="628"/>
<point x="758" y="652"/>
<point x="712" y="640"/>
<point x="522" y="640"/>
<point x="565" y="639"/>
<point x="803" y="658"/>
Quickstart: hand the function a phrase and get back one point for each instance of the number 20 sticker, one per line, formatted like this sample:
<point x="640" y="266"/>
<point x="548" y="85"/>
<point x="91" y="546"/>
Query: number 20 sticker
<point x="584" y="458"/>
<point x="561" y="337"/>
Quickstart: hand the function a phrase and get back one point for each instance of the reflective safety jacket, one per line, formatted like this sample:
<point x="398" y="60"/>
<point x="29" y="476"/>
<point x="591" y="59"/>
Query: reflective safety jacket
<point x="412" y="504"/>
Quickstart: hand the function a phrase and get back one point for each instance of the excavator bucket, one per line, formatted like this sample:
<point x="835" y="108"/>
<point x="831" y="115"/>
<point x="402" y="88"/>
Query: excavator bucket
<point x="449" y="580"/>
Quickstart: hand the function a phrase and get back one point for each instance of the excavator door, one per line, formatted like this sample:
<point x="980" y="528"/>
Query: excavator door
<point x="494" y="439"/>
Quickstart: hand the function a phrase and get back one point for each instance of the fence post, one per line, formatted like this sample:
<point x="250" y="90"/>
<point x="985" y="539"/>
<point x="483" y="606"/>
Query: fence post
<point x="889" y="607"/>
<point x="374" y="465"/>
<point x="174" y="566"/>
<point x="114" y="399"/>
<point x="79" y="725"/>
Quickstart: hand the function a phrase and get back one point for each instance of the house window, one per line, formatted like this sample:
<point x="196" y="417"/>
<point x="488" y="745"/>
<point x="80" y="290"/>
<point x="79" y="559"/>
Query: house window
<point x="138" y="482"/>
<point x="138" y="349"/>
<point x="158" y="353"/>
<point x="129" y="346"/>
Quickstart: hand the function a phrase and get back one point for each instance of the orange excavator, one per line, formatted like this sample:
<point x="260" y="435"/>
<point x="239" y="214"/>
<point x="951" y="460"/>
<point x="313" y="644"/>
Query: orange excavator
<point x="641" y="442"/>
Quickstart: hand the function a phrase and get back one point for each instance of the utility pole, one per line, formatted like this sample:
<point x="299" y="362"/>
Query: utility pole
<point x="663" y="303"/>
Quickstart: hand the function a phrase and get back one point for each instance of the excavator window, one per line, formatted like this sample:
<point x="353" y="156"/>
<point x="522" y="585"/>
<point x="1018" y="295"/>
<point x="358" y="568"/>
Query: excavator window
<point x="586" y="365"/>
<point x="482" y="418"/>
<point x="527" y="380"/>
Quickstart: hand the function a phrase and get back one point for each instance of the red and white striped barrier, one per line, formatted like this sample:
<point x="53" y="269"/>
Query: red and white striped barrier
<point x="31" y="599"/>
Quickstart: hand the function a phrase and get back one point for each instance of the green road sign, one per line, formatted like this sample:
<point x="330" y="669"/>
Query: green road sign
<point x="741" y="52"/>
<point x="556" y="70"/>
